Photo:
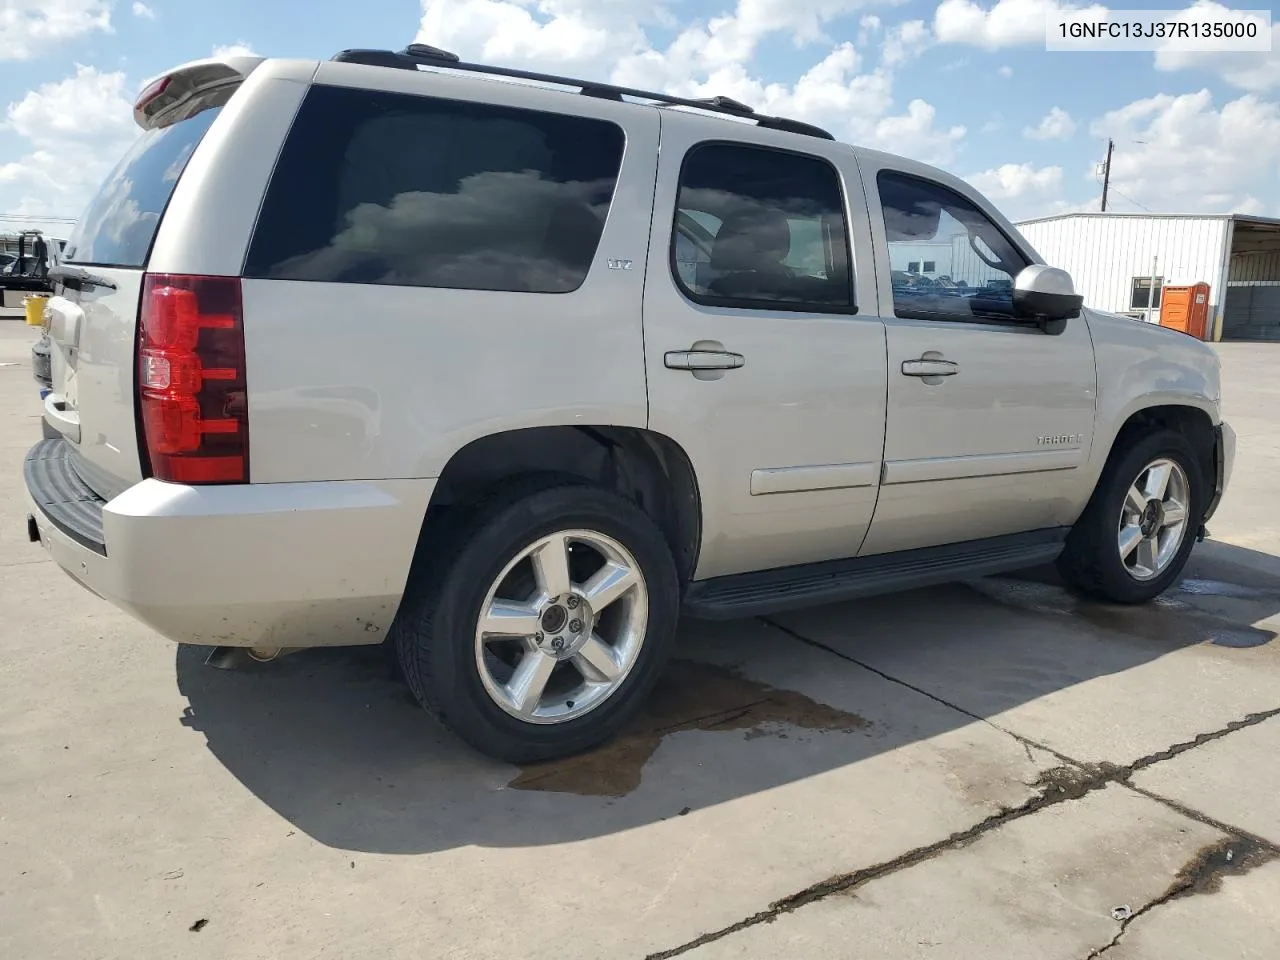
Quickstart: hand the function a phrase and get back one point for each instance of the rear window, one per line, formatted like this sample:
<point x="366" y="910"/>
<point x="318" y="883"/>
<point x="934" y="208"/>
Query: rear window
<point x="122" y="219"/>
<point x="388" y="188"/>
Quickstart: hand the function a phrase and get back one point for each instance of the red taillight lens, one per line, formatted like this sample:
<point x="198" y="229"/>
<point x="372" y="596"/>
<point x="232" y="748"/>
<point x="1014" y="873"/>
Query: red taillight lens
<point x="151" y="92"/>
<point x="192" y="388"/>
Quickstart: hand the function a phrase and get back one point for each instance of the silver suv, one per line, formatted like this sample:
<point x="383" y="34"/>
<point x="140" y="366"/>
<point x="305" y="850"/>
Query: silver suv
<point x="508" y="375"/>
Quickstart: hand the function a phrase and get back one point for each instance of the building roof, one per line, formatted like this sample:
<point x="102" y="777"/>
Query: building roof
<point x="1238" y="217"/>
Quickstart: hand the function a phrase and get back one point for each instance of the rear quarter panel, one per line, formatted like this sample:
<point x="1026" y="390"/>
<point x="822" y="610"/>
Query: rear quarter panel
<point x="356" y="382"/>
<point x="210" y="217"/>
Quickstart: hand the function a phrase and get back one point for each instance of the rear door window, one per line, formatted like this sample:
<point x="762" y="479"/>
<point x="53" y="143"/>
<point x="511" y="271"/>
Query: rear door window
<point x="759" y="228"/>
<point x="388" y="188"/>
<point x="121" y="221"/>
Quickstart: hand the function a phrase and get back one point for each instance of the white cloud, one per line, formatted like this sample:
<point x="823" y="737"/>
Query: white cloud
<point x="88" y="105"/>
<point x="1194" y="158"/>
<point x="75" y="130"/>
<point x="1018" y="181"/>
<point x="608" y="39"/>
<point x="1008" y="23"/>
<point x="1006" y="72"/>
<point x="29" y="28"/>
<point x="140" y="9"/>
<point x="1056" y="125"/>
<point x="1256" y="72"/>
<point x="868" y="25"/>
<point x="914" y="135"/>
<point x="240" y="48"/>
<point x="905" y="41"/>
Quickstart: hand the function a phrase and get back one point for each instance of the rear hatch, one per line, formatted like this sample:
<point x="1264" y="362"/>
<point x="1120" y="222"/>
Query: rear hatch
<point x="93" y="314"/>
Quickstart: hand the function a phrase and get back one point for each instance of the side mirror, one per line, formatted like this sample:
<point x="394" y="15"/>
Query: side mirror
<point x="1046" y="295"/>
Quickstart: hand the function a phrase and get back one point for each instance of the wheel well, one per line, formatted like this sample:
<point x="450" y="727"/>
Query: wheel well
<point x="1192" y="422"/>
<point x="647" y="468"/>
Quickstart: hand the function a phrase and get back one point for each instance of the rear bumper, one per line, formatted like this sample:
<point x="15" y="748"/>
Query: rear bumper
<point x="258" y="565"/>
<point x="1224" y="456"/>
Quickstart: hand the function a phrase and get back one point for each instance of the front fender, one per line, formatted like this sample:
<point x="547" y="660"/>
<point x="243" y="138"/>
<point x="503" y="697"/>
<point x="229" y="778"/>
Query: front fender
<point x="1141" y="366"/>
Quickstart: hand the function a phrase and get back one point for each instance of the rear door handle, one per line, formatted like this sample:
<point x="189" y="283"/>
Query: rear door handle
<point x="929" y="368"/>
<point x="703" y="360"/>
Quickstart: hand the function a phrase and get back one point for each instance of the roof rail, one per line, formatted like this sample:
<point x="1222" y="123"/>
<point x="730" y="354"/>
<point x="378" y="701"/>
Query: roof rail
<point x="421" y="54"/>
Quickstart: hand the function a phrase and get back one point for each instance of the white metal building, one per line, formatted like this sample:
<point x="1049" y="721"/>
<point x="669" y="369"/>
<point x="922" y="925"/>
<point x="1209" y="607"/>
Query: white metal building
<point x="1115" y="257"/>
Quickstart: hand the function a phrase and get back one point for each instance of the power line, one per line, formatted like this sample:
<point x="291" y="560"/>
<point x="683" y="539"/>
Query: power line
<point x="1133" y="201"/>
<point x="49" y="218"/>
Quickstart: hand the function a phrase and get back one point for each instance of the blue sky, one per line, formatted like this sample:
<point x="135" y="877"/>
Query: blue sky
<point x="965" y="84"/>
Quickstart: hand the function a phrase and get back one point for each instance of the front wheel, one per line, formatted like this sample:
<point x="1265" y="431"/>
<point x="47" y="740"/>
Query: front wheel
<point x="547" y="626"/>
<point x="1136" y="534"/>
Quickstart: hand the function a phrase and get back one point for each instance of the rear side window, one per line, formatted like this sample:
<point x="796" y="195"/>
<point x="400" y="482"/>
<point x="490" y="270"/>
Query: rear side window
<point x="762" y="229"/>
<point x="122" y="219"/>
<point x="389" y="188"/>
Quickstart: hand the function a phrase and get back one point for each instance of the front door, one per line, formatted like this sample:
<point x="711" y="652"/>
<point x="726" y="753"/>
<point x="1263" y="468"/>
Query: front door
<point x="989" y="420"/>
<point x="761" y="363"/>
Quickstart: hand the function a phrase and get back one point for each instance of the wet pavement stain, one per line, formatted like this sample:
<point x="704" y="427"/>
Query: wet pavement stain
<point x="1165" y="620"/>
<point x="690" y="696"/>
<point x="1220" y="588"/>
<point x="1205" y="871"/>
<point x="1241" y="639"/>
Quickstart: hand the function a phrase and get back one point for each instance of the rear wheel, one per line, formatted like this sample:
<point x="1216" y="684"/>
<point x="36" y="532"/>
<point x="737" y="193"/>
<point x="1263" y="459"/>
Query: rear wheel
<point x="1136" y="534"/>
<point x="547" y="626"/>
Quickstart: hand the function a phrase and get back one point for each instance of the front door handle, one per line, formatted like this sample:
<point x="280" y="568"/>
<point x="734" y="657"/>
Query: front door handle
<point x="929" y="368"/>
<point x="703" y="360"/>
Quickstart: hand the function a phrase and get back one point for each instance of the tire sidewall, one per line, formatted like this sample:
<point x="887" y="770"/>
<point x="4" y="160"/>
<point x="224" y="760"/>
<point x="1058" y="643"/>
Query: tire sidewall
<point x="459" y="692"/>
<point x="1126" y="469"/>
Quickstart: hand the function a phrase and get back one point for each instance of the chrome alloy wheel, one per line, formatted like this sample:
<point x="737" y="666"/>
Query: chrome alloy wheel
<point x="562" y="626"/>
<point x="1153" y="520"/>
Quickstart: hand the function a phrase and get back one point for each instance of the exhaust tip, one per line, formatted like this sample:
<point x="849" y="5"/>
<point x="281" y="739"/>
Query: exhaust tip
<point x="238" y="658"/>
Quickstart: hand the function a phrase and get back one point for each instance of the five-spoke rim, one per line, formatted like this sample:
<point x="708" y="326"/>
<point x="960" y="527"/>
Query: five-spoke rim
<point x="561" y="626"/>
<point x="1153" y="519"/>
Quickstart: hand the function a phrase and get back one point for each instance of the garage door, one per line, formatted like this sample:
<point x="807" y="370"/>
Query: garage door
<point x="1252" y="312"/>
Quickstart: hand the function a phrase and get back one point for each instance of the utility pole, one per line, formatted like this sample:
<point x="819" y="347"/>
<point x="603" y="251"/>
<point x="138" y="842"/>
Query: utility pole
<point x="1106" y="174"/>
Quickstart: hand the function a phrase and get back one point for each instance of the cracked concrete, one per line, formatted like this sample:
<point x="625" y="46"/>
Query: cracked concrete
<point x="1234" y="853"/>
<point x="1224" y="779"/>
<point x="1033" y="888"/>
<point x="1206" y="872"/>
<point x="1022" y="766"/>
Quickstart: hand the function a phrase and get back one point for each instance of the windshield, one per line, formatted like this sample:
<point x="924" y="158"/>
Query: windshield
<point x="122" y="219"/>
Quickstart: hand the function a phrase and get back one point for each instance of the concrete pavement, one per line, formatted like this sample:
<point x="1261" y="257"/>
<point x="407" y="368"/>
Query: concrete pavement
<point x="980" y="770"/>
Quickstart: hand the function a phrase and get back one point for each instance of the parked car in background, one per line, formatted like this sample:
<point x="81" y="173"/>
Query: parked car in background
<point x="510" y="376"/>
<point x="27" y="271"/>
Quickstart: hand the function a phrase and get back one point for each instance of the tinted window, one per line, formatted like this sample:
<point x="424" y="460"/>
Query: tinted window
<point x="1141" y="297"/>
<point x="973" y="263"/>
<point x="390" y="188"/>
<point x="761" y="228"/>
<point x="122" y="219"/>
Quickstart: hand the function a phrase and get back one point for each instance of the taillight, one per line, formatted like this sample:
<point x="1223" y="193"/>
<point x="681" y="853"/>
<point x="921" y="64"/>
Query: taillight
<point x="152" y="91"/>
<point x="191" y="379"/>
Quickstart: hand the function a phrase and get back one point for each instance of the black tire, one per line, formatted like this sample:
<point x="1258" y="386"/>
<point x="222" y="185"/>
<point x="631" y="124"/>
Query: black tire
<point x="1091" y="561"/>
<point x="434" y="632"/>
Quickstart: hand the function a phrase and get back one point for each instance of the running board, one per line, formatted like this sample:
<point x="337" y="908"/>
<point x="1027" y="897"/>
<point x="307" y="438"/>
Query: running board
<point x="792" y="588"/>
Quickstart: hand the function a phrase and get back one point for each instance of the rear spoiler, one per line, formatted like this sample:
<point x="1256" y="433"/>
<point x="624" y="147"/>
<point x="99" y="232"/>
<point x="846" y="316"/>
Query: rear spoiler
<point x="162" y="96"/>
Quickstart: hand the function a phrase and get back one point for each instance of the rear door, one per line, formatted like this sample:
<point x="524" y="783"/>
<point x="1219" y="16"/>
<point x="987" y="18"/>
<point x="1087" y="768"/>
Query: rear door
<point x="93" y="313"/>
<point x="762" y="363"/>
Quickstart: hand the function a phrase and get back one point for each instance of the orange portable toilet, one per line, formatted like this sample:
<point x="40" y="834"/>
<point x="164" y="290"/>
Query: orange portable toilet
<point x="1186" y="309"/>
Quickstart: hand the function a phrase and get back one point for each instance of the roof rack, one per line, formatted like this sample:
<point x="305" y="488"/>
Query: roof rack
<point x="416" y="54"/>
